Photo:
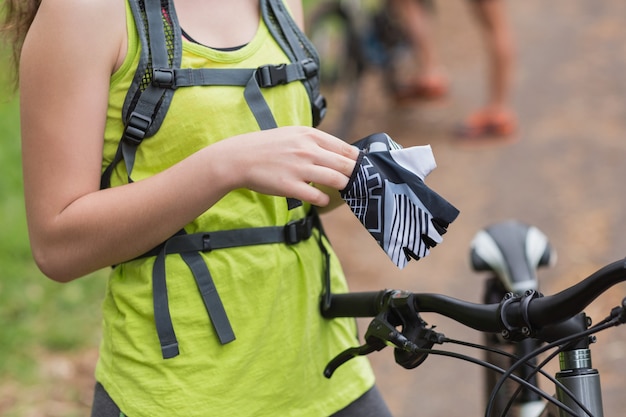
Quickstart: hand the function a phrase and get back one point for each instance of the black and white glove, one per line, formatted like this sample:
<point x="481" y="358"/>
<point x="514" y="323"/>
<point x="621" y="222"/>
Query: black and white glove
<point x="386" y="192"/>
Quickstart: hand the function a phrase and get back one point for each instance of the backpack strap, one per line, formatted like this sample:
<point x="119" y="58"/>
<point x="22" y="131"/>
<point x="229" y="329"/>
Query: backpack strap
<point x="157" y="77"/>
<point x="189" y="247"/>
<point x="147" y="100"/>
<point x="298" y="48"/>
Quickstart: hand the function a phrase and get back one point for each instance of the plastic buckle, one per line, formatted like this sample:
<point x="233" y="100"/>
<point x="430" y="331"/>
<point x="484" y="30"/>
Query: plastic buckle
<point x="163" y="78"/>
<point x="318" y="109"/>
<point x="136" y="128"/>
<point x="310" y="67"/>
<point x="271" y="75"/>
<point x="298" y="230"/>
<point x="206" y="243"/>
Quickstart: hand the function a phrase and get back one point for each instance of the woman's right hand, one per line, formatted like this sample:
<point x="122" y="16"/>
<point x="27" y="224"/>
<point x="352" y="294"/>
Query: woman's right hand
<point x="287" y="161"/>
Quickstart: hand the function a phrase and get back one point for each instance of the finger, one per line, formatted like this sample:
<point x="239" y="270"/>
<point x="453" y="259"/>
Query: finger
<point x="342" y="164"/>
<point x="327" y="177"/>
<point x="310" y="194"/>
<point x="338" y="146"/>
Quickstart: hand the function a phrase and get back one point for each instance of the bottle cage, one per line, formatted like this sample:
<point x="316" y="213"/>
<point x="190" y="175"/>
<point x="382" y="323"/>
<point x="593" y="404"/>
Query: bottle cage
<point x="157" y="77"/>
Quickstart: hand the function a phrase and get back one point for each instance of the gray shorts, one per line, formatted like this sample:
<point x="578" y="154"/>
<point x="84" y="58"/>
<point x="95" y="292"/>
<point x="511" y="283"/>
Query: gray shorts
<point x="370" y="404"/>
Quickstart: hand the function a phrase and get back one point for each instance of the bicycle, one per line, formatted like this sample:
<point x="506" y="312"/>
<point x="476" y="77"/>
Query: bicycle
<point x="523" y="319"/>
<point x="353" y="37"/>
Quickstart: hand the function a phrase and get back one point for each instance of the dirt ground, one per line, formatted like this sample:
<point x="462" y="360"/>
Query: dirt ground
<point x="562" y="176"/>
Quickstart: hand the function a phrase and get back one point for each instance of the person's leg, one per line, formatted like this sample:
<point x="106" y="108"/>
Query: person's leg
<point x="103" y="405"/>
<point x="491" y="15"/>
<point x="428" y="80"/>
<point x="417" y="27"/>
<point x="370" y="404"/>
<point x="497" y="115"/>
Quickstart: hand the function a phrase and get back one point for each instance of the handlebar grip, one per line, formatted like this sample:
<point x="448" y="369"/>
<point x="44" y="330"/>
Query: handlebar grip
<point x="359" y="304"/>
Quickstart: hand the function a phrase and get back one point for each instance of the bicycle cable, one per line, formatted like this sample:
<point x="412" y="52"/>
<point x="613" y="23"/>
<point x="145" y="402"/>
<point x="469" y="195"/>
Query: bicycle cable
<point x="495" y="368"/>
<point x="535" y="369"/>
<point x="539" y="368"/>
<point x="605" y="324"/>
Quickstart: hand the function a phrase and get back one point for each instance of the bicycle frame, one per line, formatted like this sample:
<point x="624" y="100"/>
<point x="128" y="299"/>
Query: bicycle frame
<point x="352" y="37"/>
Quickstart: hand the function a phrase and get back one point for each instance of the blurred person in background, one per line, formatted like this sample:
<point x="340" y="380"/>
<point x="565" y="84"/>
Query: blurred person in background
<point x="495" y="118"/>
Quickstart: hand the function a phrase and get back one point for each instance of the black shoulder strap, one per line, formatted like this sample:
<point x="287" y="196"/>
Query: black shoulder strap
<point x="297" y="47"/>
<point x="161" y="50"/>
<point x="149" y="95"/>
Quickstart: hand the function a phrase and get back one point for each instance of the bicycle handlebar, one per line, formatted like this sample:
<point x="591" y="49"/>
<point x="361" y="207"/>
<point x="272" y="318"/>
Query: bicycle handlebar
<point x="528" y="310"/>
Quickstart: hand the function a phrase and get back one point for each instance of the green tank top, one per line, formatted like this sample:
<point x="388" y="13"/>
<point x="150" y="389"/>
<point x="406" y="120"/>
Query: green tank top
<point x="271" y="292"/>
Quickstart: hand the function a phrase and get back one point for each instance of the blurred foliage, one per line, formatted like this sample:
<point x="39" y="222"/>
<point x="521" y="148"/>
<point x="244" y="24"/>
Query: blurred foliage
<point x="36" y="314"/>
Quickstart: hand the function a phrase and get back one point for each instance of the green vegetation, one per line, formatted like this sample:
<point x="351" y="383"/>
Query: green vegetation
<point x="36" y="314"/>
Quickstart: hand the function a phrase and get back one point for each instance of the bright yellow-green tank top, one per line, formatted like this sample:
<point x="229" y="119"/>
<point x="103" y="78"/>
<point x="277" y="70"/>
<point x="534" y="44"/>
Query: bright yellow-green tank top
<point x="270" y="292"/>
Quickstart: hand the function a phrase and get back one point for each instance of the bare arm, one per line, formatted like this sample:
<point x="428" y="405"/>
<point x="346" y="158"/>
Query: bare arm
<point x="295" y="7"/>
<point x="74" y="227"/>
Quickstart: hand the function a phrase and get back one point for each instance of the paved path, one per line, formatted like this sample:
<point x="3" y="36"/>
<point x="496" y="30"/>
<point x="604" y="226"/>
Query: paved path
<point x="564" y="175"/>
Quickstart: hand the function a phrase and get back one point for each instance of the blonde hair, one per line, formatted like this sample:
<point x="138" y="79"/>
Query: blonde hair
<point x="16" y="18"/>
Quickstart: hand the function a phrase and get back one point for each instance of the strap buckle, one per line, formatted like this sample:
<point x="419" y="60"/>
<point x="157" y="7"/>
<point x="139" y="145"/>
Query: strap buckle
<point x="164" y="78"/>
<point x="136" y="128"/>
<point x="271" y="75"/>
<point x="318" y="109"/>
<point x="206" y="243"/>
<point x="298" y="230"/>
<point x="310" y="67"/>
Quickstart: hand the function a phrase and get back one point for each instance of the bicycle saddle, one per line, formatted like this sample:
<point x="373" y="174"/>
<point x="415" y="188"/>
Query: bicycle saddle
<point x="513" y="251"/>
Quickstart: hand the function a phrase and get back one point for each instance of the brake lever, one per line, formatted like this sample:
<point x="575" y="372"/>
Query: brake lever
<point x="380" y="333"/>
<point x="414" y="329"/>
<point x="345" y="356"/>
<point x="411" y="344"/>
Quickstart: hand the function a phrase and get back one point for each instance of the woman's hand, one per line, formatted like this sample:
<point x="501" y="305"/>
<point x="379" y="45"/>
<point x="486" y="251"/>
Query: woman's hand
<point x="287" y="162"/>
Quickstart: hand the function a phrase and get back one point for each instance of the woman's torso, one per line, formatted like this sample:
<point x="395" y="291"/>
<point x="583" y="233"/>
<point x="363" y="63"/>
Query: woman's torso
<point x="271" y="292"/>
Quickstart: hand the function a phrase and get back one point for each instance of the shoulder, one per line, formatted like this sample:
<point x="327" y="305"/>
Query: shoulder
<point x="92" y="12"/>
<point x="295" y="7"/>
<point x="93" y="25"/>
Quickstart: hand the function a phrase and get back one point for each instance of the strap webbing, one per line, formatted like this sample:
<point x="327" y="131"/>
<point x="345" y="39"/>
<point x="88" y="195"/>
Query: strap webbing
<point x="267" y="75"/>
<point x="141" y="117"/>
<point x="258" y="105"/>
<point x="211" y="298"/>
<point x="298" y="47"/>
<point x="189" y="247"/>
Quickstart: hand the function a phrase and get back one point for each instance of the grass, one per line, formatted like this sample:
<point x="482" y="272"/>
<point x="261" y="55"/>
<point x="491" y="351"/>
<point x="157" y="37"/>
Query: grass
<point x="36" y="314"/>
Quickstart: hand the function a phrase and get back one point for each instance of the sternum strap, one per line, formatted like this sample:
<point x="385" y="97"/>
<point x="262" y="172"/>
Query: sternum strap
<point x="189" y="247"/>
